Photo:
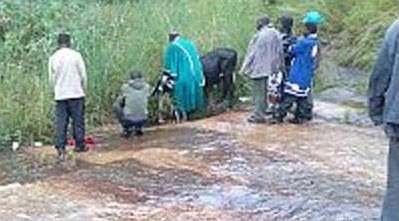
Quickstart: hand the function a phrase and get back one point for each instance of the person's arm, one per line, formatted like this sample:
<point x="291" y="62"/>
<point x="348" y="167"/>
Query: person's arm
<point x="280" y="53"/>
<point x="82" y="71"/>
<point x="379" y="83"/>
<point x="298" y="48"/>
<point x="147" y="90"/>
<point x="121" y="98"/>
<point x="170" y="61"/>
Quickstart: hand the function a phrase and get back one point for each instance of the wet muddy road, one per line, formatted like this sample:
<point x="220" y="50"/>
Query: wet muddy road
<point x="216" y="169"/>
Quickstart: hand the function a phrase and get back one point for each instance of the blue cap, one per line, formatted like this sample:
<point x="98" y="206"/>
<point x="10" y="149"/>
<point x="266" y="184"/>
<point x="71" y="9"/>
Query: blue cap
<point x="313" y="17"/>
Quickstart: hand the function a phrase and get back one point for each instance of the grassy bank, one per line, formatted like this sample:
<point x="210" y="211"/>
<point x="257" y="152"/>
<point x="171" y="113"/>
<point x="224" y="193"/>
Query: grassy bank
<point x="115" y="36"/>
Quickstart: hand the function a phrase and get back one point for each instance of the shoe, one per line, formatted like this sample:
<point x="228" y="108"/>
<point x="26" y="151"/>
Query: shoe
<point x="296" y="121"/>
<point x="254" y="120"/>
<point x="139" y="133"/>
<point x="80" y="149"/>
<point x="61" y="153"/>
<point x="276" y="120"/>
<point x="127" y="133"/>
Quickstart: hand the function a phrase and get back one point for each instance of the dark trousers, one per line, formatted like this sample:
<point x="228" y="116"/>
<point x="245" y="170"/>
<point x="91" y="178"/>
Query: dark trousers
<point x="127" y="124"/>
<point x="390" y="210"/>
<point x="64" y="110"/>
<point x="302" y="107"/>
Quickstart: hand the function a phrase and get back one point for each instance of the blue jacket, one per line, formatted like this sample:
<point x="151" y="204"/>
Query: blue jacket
<point x="299" y="80"/>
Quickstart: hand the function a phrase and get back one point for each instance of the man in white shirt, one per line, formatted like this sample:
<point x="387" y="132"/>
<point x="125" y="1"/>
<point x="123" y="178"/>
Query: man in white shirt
<point x="67" y="74"/>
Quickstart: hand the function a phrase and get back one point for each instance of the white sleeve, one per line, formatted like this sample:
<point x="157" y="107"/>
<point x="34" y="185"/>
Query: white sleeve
<point x="315" y="51"/>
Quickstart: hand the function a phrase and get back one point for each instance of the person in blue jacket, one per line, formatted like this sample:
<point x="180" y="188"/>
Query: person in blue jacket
<point x="297" y="86"/>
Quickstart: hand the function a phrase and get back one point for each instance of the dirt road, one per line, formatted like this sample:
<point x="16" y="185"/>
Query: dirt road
<point x="220" y="168"/>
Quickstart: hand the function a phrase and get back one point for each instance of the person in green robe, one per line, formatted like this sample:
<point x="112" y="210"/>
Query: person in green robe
<point x="182" y="60"/>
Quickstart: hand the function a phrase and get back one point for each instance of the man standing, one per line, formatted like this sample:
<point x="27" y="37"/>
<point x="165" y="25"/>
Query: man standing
<point x="67" y="75"/>
<point x="264" y="57"/>
<point x="384" y="109"/>
<point x="182" y="61"/>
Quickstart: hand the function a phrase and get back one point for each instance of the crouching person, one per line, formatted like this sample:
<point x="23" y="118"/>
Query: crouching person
<point x="131" y="105"/>
<point x="297" y="87"/>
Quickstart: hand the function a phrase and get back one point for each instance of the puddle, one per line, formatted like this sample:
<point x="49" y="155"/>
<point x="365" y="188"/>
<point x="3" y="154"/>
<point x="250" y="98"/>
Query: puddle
<point x="230" y="198"/>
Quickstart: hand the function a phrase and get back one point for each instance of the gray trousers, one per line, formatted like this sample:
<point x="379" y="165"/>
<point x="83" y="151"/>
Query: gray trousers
<point x="259" y="87"/>
<point x="390" y="209"/>
<point x="64" y="110"/>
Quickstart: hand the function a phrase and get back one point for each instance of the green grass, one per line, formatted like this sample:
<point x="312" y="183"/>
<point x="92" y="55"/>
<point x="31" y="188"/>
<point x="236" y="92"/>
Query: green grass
<point x="115" y="36"/>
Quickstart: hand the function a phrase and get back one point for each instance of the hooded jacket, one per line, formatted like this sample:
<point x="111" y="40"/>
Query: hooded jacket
<point x="134" y="99"/>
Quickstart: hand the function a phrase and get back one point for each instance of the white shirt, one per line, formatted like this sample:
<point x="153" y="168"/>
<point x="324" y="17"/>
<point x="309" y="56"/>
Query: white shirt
<point x="67" y="73"/>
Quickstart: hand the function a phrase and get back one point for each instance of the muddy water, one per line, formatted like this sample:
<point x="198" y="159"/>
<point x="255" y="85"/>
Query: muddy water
<point x="217" y="169"/>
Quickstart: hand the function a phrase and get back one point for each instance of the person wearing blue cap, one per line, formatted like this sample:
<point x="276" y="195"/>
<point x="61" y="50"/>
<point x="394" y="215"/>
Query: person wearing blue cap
<point x="298" y="84"/>
<point x="315" y="18"/>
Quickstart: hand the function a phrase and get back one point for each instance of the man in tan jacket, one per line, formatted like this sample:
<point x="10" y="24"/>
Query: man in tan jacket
<point x="264" y="57"/>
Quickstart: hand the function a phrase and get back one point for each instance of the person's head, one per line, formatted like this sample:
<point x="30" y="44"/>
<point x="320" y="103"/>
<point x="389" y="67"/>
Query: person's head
<point x="286" y="22"/>
<point x="310" y="28"/>
<point x="173" y="35"/>
<point x="64" y="40"/>
<point x="136" y="74"/>
<point x="262" y="22"/>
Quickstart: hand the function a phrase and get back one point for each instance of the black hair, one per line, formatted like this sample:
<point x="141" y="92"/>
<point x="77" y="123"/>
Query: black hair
<point x="173" y="35"/>
<point x="287" y="22"/>
<point x="64" y="39"/>
<point x="262" y="22"/>
<point x="136" y="74"/>
<point x="311" y="27"/>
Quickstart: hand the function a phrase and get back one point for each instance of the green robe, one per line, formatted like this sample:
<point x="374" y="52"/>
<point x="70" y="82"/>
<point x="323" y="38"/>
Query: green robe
<point x="183" y="61"/>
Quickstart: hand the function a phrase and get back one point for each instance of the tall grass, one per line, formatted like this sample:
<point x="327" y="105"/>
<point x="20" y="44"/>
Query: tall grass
<point x="113" y="36"/>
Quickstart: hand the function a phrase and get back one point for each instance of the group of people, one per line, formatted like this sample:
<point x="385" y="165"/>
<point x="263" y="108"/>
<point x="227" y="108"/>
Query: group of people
<point x="270" y="52"/>
<point x="67" y="74"/>
<point x="274" y="53"/>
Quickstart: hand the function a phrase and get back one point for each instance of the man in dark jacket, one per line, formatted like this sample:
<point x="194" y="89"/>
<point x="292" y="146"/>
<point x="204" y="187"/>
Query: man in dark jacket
<point x="384" y="109"/>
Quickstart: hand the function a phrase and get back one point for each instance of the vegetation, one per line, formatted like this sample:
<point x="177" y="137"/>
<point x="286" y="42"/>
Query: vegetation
<point x="115" y="36"/>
